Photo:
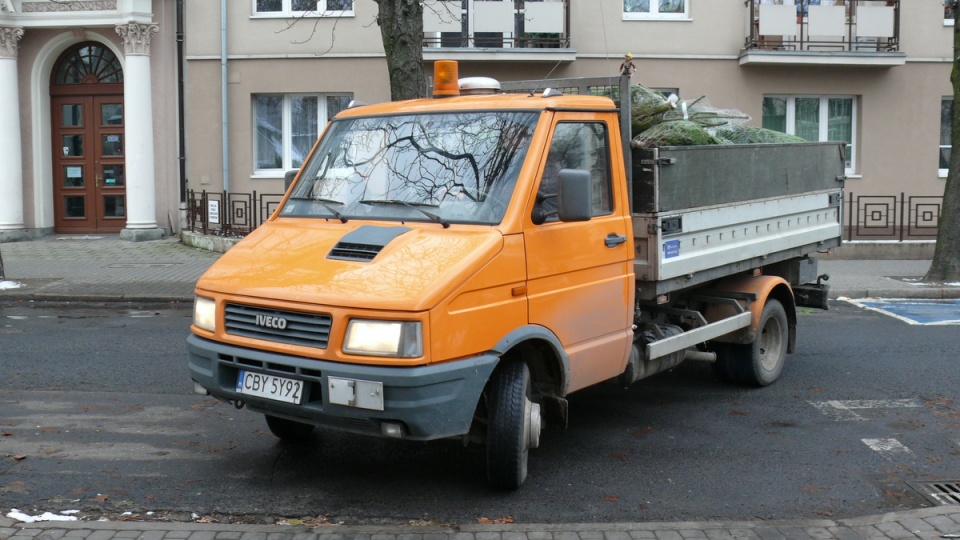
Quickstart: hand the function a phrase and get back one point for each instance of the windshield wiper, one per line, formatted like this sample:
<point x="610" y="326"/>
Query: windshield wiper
<point x="326" y="204"/>
<point x="416" y="206"/>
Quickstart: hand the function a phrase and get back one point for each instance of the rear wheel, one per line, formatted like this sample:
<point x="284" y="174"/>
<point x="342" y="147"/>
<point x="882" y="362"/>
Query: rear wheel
<point x="288" y="430"/>
<point x="513" y="428"/>
<point x="761" y="362"/>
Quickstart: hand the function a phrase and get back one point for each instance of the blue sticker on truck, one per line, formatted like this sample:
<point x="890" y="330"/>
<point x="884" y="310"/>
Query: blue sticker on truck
<point x="671" y="249"/>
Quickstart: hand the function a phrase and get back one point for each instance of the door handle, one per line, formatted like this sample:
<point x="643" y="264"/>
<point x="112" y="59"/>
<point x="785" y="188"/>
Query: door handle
<point x="614" y="240"/>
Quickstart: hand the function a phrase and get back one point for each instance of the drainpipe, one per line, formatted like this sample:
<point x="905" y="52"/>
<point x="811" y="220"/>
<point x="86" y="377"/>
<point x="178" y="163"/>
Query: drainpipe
<point x="224" y="109"/>
<point x="180" y="119"/>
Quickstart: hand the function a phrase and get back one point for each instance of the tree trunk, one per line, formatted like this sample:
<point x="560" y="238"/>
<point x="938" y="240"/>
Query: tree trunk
<point x="401" y="27"/>
<point x="946" y="256"/>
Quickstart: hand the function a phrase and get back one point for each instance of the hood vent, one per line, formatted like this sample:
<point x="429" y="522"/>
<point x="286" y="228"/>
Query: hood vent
<point x="354" y="252"/>
<point x="364" y="243"/>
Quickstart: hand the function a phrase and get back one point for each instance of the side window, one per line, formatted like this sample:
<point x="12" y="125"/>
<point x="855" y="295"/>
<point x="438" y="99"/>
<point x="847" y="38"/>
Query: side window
<point x="578" y="145"/>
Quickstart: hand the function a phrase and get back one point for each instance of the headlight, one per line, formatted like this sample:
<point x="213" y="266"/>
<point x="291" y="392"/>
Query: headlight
<point x="384" y="338"/>
<point x="205" y="313"/>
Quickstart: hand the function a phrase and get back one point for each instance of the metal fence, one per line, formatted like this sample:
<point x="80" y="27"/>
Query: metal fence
<point x="867" y="217"/>
<point x="892" y="217"/>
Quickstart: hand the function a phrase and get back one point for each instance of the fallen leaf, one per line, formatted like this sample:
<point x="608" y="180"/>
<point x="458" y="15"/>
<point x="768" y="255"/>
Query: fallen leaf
<point x="610" y="498"/>
<point x="19" y="457"/>
<point x="810" y="489"/>
<point x="500" y="521"/>
<point x="100" y="498"/>
<point x="6" y="434"/>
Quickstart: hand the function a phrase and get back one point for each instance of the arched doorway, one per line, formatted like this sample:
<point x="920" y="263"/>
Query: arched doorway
<point x="86" y="98"/>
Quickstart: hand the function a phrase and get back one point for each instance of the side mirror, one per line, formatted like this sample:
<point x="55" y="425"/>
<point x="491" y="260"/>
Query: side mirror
<point x="288" y="178"/>
<point x="575" y="193"/>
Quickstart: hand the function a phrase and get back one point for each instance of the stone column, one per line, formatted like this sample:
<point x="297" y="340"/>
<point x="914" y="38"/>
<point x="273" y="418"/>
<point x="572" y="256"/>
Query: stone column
<point x="138" y="130"/>
<point x="11" y="157"/>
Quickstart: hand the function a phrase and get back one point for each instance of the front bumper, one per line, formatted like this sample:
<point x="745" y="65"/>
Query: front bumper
<point x="431" y="402"/>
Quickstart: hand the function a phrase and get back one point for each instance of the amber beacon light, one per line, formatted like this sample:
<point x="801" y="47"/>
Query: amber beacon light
<point x="445" y="79"/>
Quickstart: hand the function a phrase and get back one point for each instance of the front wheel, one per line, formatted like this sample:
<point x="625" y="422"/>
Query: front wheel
<point x="514" y="425"/>
<point x="761" y="362"/>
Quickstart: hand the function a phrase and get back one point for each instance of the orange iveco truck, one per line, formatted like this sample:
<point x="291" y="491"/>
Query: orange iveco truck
<point x="457" y="266"/>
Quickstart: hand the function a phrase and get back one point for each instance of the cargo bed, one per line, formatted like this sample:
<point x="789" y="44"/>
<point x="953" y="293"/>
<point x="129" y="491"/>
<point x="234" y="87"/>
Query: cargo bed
<point x="705" y="212"/>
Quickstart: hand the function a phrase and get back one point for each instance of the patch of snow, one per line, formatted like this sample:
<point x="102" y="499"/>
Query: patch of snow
<point x="46" y="516"/>
<point x="9" y="285"/>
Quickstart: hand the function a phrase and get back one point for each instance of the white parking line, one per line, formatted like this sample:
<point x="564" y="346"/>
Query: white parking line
<point x="890" y="449"/>
<point x="844" y="410"/>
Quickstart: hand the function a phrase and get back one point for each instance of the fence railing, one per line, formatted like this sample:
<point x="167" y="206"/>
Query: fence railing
<point x="866" y="217"/>
<point x="825" y="25"/>
<point x="892" y="217"/>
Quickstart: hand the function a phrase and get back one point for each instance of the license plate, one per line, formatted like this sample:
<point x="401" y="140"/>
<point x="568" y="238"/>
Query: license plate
<point x="270" y="387"/>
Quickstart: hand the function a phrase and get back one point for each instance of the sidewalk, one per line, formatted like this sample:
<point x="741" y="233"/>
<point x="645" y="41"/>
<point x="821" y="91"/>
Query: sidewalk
<point x="101" y="268"/>
<point x="927" y="523"/>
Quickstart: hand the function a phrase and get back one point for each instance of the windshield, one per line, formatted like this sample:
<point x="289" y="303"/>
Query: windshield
<point x="457" y="167"/>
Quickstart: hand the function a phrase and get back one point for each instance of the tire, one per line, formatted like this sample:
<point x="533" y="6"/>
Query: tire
<point x="288" y="430"/>
<point x="761" y="362"/>
<point x="513" y="427"/>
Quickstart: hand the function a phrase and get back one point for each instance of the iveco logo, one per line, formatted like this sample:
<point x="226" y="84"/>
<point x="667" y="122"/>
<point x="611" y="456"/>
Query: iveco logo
<point x="270" y="321"/>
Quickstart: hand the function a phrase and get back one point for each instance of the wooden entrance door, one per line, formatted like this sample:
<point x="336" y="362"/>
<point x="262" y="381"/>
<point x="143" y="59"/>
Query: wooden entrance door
<point x="89" y="179"/>
<point x="89" y="183"/>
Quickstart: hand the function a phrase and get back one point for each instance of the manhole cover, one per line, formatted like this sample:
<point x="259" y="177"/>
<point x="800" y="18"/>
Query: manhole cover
<point x="946" y="493"/>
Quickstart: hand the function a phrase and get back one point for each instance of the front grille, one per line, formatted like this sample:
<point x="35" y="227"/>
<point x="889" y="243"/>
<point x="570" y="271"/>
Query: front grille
<point x="291" y="327"/>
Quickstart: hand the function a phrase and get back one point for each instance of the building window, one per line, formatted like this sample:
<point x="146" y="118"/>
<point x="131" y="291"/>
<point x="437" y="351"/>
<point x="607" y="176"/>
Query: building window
<point x="948" y="8"/>
<point x="815" y="118"/>
<point x="287" y="125"/>
<point x="946" y="132"/>
<point x="290" y="8"/>
<point x="655" y="9"/>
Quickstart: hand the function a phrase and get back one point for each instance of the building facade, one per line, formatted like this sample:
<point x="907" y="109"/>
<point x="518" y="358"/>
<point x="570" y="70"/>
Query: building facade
<point x="262" y="77"/>
<point x="88" y="130"/>
<point x="873" y="73"/>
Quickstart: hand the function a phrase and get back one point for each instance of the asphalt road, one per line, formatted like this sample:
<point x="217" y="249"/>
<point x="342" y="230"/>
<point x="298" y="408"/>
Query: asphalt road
<point x="97" y="414"/>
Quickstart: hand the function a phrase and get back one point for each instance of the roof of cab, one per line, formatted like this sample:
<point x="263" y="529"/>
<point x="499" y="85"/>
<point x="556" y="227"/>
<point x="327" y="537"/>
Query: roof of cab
<point x="483" y="102"/>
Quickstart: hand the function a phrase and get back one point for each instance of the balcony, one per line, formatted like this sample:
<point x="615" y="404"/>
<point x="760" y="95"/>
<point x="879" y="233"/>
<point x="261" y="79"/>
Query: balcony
<point x="823" y="32"/>
<point x="504" y="30"/>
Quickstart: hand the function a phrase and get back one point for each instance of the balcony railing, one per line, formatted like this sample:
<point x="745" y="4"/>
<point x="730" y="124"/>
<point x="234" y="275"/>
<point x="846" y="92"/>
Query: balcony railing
<point x="859" y="26"/>
<point x="866" y="217"/>
<point x="496" y="24"/>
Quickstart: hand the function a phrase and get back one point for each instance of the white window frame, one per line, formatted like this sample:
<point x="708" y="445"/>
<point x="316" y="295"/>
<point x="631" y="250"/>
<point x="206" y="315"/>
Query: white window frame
<point x="942" y="173"/>
<point x="655" y="15"/>
<point x="287" y="128"/>
<point x="286" y="11"/>
<point x="824" y="120"/>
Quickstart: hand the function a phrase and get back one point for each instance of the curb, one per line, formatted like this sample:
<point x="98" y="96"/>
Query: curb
<point x="425" y="530"/>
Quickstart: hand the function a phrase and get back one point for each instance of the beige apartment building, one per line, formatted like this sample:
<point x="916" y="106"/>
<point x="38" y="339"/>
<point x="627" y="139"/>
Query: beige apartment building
<point x="262" y="77"/>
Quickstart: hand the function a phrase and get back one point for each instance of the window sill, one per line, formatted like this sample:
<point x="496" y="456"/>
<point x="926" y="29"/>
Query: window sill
<point x="629" y="18"/>
<point x="854" y="176"/>
<point x="948" y="22"/>
<point x="942" y="173"/>
<point x="326" y="15"/>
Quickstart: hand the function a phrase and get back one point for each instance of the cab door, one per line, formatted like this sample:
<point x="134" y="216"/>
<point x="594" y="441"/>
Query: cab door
<point x="580" y="274"/>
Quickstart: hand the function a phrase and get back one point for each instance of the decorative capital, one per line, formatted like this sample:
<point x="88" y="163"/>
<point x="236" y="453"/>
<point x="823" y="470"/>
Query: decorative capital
<point x="136" y="38"/>
<point x="9" y="36"/>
